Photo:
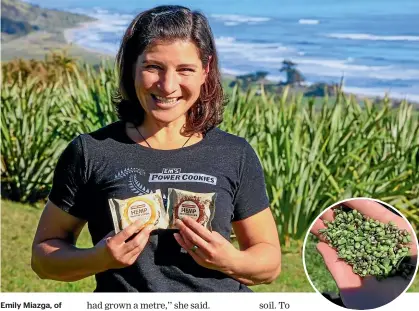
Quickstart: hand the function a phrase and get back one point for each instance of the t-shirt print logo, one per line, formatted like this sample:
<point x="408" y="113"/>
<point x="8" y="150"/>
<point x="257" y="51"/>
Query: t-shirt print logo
<point x="175" y="175"/>
<point x="133" y="182"/>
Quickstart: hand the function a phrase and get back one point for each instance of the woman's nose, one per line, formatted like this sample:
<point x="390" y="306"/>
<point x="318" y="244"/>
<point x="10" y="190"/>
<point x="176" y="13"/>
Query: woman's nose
<point x="168" y="83"/>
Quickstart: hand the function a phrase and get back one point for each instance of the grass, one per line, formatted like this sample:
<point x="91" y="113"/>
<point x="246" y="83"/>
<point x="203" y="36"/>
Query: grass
<point x="316" y="269"/>
<point x="18" y="225"/>
<point x="292" y="277"/>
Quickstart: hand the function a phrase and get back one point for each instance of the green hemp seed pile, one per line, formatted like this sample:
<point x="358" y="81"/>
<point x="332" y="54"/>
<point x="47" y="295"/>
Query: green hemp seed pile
<point x="369" y="246"/>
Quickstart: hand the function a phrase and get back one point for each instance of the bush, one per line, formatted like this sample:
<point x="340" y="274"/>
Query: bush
<point x="312" y="154"/>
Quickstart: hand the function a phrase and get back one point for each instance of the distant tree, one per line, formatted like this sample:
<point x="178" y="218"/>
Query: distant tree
<point x="13" y="27"/>
<point x="247" y="80"/>
<point x="321" y="89"/>
<point x="260" y="75"/>
<point x="253" y="77"/>
<point x="294" y="76"/>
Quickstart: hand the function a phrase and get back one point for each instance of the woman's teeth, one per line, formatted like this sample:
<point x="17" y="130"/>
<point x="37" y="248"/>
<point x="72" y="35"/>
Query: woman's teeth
<point x="165" y="100"/>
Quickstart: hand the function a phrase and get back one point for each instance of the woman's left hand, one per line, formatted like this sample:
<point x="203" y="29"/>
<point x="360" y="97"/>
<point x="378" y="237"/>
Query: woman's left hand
<point x="209" y="249"/>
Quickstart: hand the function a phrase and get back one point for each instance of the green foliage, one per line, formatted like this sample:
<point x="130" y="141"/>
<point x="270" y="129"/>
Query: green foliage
<point x="313" y="155"/>
<point x="31" y="142"/>
<point x="39" y="119"/>
<point x="12" y="27"/>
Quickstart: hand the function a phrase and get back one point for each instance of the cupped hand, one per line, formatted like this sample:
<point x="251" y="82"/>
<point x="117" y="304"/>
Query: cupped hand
<point x="213" y="250"/>
<point x="367" y="292"/>
<point x="121" y="250"/>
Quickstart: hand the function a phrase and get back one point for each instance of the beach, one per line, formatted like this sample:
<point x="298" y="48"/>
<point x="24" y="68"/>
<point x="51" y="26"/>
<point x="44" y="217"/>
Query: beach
<point x="374" y="53"/>
<point x="371" y="46"/>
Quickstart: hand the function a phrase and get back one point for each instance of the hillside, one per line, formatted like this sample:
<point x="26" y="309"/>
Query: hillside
<point x="19" y="18"/>
<point x="30" y="32"/>
<point x="13" y="27"/>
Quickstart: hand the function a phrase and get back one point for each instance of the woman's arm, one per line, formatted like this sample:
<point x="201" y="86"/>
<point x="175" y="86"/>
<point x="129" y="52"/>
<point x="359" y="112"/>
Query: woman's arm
<point x="55" y="256"/>
<point x="260" y="249"/>
<point x="258" y="260"/>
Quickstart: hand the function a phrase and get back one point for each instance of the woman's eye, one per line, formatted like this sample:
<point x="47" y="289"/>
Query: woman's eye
<point x="152" y="67"/>
<point x="187" y="70"/>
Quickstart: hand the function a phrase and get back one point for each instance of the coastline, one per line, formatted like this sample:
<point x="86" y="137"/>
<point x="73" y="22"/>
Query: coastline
<point x="37" y="45"/>
<point x="68" y="37"/>
<point x="40" y="43"/>
<point x="250" y="43"/>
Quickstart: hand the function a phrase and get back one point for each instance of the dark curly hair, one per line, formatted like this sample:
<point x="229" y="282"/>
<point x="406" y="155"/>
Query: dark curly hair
<point x="169" y="23"/>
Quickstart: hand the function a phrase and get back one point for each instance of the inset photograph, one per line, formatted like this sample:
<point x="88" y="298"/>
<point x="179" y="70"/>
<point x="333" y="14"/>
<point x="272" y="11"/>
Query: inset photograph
<point x="361" y="254"/>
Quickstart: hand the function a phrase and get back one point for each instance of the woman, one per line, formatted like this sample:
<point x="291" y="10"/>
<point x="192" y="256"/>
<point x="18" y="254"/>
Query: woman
<point x="170" y="103"/>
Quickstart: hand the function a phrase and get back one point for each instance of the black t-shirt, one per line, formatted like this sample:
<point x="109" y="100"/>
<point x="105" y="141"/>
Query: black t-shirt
<point x="108" y="164"/>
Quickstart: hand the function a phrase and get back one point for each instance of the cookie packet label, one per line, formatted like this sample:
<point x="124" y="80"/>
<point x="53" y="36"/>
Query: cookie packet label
<point x="198" y="206"/>
<point x="147" y="208"/>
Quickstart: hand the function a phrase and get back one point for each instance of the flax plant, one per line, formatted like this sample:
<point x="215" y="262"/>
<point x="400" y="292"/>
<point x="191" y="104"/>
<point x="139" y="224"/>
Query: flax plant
<point x="312" y="153"/>
<point x="316" y="154"/>
<point x="30" y="140"/>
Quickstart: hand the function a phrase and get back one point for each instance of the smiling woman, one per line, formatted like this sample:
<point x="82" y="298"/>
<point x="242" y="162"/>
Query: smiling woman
<point x="169" y="68"/>
<point x="169" y="102"/>
<point x="167" y="86"/>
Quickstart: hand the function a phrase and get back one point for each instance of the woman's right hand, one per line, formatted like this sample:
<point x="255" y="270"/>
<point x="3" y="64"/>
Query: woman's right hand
<point x="122" y="250"/>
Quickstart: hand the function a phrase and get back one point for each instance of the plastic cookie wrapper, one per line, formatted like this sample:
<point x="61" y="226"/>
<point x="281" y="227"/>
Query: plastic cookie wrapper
<point x="148" y="208"/>
<point x="198" y="206"/>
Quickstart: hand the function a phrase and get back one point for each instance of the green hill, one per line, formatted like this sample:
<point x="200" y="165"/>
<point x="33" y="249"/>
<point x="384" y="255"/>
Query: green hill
<point x="19" y="18"/>
<point x="30" y="32"/>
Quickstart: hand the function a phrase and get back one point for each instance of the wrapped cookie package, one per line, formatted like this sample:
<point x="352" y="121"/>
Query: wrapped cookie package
<point x="147" y="208"/>
<point x="198" y="206"/>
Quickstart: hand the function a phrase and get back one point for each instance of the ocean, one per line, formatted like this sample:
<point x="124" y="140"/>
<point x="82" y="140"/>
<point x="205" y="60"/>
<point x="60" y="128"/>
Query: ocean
<point x="372" y="44"/>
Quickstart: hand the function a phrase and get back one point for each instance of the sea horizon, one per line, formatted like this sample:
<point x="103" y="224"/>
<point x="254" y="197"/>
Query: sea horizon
<point x="375" y="53"/>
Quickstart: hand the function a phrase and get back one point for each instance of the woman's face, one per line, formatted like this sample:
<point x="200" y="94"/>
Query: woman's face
<point x="168" y="79"/>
